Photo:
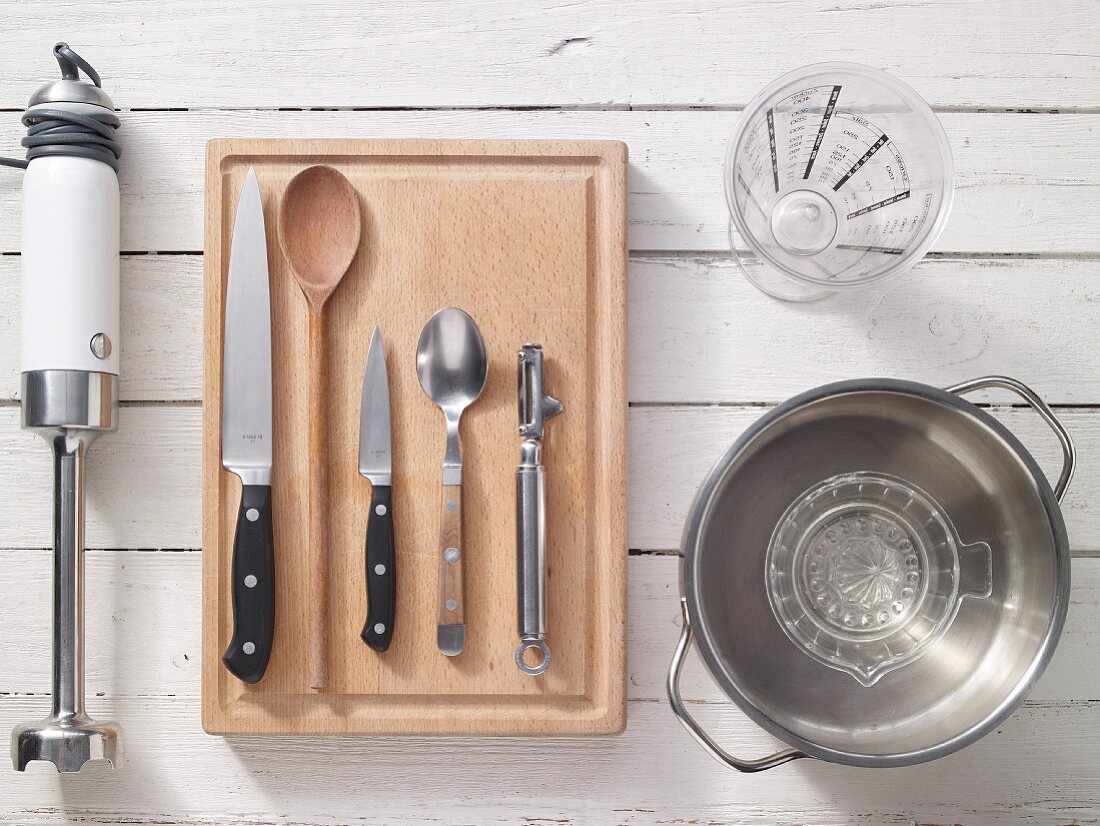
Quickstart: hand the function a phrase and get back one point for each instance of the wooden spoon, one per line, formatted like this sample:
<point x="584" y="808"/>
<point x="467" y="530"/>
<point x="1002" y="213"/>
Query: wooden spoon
<point x="319" y="230"/>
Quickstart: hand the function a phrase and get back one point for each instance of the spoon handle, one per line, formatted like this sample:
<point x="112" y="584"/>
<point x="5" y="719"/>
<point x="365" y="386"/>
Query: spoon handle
<point x="451" y="628"/>
<point x="318" y="504"/>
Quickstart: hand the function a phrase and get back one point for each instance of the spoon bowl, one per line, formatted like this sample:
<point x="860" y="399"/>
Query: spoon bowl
<point x="319" y="230"/>
<point x="451" y="361"/>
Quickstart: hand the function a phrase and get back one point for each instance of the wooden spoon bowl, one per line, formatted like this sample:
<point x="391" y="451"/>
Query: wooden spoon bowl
<point x="319" y="230"/>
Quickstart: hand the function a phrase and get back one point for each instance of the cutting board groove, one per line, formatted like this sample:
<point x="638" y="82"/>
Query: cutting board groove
<point x="529" y="237"/>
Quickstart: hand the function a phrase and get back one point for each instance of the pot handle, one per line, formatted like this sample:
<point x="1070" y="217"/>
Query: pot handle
<point x="1069" y="455"/>
<point x="693" y="727"/>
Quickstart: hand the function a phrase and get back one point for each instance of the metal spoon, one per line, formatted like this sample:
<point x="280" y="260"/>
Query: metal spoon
<point x="452" y="365"/>
<point x="319" y="229"/>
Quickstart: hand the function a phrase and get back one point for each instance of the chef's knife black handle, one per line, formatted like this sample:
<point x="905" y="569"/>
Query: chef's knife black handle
<point x="381" y="574"/>
<point x="253" y="587"/>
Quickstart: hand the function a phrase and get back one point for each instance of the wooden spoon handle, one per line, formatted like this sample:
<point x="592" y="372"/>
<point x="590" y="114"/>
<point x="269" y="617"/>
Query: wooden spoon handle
<point x="318" y="504"/>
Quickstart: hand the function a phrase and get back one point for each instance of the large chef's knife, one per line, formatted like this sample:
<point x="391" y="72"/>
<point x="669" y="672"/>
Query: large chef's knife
<point x="246" y="436"/>
<point x="376" y="463"/>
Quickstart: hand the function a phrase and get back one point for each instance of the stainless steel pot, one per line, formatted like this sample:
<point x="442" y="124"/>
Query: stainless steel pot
<point x="973" y="675"/>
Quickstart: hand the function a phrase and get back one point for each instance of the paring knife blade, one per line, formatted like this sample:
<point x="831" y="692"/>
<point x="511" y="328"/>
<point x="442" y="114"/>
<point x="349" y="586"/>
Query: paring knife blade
<point x="376" y="464"/>
<point x="247" y="436"/>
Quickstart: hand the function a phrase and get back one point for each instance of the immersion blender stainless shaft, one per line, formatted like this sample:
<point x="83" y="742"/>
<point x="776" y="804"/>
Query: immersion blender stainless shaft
<point x="68" y="578"/>
<point x="70" y="409"/>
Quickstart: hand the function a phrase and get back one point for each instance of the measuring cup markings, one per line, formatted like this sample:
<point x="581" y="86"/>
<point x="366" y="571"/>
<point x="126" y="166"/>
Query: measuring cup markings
<point x="771" y="143"/>
<point x="885" y="181"/>
<point x="800" y="159"/>
<point x="825" y="118"/>
<point x="883" y="250"/>
<point x="797" y="113"/>
<point x="904" y="228"/>
<point x="866" y="156"/>
<point x="893" y="199"/>
<point x="861" y="131"/>
<point x="790" y="118"/>
<point x="857" y="130"/>
<point x="752" y="196"/>
<point x="829" y="188"/>
<point x="885" y="237"/>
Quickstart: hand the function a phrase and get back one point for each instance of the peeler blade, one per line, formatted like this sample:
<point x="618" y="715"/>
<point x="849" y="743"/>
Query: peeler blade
<point x="535" y="406"/>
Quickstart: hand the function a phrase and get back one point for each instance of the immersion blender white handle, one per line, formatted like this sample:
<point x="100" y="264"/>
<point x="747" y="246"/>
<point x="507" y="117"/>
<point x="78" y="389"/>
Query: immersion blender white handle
<point x="70" y="249"/>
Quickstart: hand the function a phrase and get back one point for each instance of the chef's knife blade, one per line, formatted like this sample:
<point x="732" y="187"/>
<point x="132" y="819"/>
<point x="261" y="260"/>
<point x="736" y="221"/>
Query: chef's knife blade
<point x="246" y="436"/>
<point x="376" y="464"/>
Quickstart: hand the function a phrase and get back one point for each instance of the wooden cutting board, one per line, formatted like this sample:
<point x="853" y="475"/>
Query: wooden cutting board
<point x="529" y="237"/>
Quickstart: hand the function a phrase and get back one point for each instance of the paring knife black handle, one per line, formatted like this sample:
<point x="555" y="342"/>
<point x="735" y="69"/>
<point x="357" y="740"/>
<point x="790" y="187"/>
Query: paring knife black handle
<point x="253" y="587"/>
<point x="381" y="574"/>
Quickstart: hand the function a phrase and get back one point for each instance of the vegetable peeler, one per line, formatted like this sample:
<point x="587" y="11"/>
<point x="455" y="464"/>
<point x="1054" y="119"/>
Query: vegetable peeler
<point x="535" y="407"/>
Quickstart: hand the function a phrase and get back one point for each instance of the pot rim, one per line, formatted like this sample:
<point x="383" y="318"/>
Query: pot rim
<point x="688" y="586"/>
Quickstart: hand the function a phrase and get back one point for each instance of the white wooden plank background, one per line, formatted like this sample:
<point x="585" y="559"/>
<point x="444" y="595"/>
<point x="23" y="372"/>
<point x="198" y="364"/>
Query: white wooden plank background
<point x="1025" y="183"/>
<point x="670" y="53"/>
<point x="1012" y="287"/>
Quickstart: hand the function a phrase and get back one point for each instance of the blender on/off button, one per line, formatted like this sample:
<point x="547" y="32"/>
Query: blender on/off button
<point x="100" y="345"/>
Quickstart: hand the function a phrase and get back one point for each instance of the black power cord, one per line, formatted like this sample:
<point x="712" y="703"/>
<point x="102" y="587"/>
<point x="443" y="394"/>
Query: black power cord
<point x="60" y="132"/>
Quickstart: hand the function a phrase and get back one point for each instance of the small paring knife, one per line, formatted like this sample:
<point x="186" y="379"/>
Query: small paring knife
<point x="246" y="437"/>
<point x="376" y="464"/>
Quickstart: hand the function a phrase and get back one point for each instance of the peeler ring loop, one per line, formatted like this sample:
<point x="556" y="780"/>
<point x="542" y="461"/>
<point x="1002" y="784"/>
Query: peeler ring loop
<point x="542" y="665"/>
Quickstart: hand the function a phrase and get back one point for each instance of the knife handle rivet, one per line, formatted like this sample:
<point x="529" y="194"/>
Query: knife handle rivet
<point x="451" y="555"/>
<point x="380" y="510"/>
<point x="249" y="648"/>
<point x="451" y="504"/>
<point x="380" y="569"/>
<point x="251" y="514"/>
<point x="250" y="581"/>
<point x="451" y="605"/>
<point x="379" y="628"/>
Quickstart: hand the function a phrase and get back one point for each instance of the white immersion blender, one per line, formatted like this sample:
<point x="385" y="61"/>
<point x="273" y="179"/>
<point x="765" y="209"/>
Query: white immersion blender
<point x="69" y="363"/>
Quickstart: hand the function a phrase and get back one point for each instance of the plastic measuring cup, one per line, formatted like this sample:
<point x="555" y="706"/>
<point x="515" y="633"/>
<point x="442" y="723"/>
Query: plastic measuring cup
<point x="838" y="176"/>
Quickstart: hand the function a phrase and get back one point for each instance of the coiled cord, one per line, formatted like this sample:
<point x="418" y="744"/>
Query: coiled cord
<point x="60" y="132"/>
